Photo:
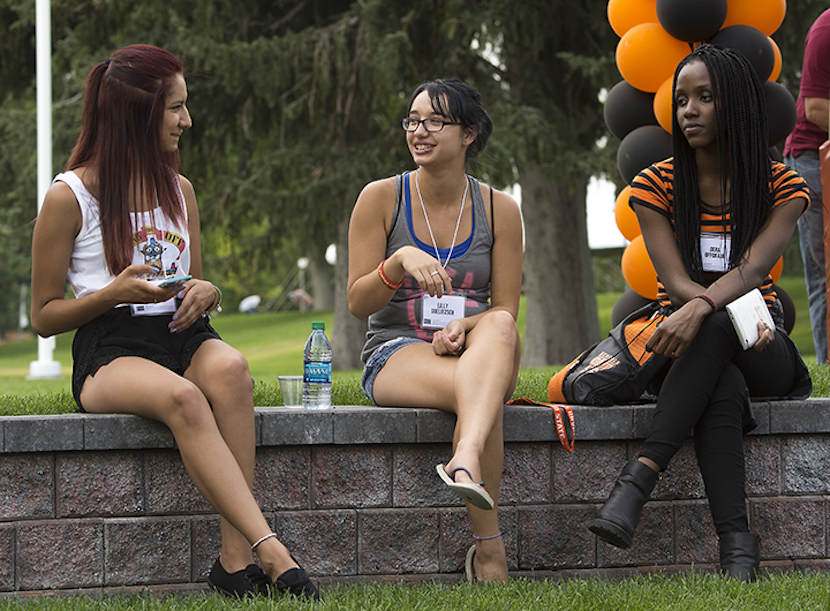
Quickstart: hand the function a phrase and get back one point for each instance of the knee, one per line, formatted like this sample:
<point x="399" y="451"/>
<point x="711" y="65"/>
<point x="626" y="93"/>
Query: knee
<point x="503" y="326"/>
<point x="232" y="370"/>
<point x="187" y="406"/>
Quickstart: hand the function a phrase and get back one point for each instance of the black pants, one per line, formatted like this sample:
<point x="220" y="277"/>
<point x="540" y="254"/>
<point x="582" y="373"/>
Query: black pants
<point x="707" y="390"/>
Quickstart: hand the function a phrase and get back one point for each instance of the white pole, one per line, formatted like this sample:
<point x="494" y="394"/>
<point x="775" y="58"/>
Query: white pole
<point x="45" y="366"/>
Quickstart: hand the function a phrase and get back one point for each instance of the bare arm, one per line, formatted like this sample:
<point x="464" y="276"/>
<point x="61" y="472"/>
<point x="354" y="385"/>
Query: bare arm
<point x="58" y="223"/>
<point x="675" y="334"/>
<point x="817" y="111"/>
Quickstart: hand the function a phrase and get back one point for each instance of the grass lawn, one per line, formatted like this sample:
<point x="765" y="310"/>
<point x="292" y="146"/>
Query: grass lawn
<point x="691" y="592"/>
<point x="273" y="344"/>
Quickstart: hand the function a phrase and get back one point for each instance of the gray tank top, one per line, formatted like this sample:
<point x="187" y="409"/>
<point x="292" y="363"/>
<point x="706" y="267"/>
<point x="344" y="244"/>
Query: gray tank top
<point x="469" y="269"/>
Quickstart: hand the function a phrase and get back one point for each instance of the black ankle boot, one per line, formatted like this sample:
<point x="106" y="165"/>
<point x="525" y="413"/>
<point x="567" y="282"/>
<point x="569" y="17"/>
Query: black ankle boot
<point x="618" y="517"/>
<point x="740" y="555"/>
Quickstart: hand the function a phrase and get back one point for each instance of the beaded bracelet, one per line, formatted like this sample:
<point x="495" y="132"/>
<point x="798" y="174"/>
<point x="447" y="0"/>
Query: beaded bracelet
<point x="708" y="300"/>
<point x="392" y="285"/>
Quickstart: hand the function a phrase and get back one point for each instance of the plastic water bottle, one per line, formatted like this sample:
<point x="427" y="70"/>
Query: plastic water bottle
<point x="317" y="369"/>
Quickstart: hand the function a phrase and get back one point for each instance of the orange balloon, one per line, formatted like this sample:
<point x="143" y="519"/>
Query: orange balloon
<point x="647" y="55"/>
<point x="776" y="67"/>
<point x="776" y="270"/>
<point x="626" y="218"/>
<point x="625" y="14"/>
<point x="662" y="104"/>
<point x="764" y="15"/>
<point x="638" y="269"/>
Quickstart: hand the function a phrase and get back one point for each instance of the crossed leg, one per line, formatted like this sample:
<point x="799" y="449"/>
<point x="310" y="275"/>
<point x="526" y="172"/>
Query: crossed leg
<point x="474" y="387"/>
<point x="216" y="445"/>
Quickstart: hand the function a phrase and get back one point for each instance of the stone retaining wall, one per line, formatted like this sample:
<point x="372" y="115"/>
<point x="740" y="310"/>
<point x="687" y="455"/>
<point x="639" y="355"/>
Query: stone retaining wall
<point x="92" y="502"/>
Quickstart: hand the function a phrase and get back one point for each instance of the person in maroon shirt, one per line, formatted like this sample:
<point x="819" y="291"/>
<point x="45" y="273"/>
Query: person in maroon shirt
<point x="801" y="154"/>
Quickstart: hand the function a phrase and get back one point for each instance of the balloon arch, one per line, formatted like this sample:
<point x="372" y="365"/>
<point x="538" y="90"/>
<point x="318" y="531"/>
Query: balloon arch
<point x="655" y="35"/>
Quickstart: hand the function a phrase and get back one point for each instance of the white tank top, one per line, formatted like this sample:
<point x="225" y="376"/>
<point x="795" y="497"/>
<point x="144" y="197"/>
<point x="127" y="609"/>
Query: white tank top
<point x="157" y="241"/>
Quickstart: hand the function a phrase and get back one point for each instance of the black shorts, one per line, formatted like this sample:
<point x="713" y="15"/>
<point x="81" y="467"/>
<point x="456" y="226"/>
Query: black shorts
<point x="118" y="333"/>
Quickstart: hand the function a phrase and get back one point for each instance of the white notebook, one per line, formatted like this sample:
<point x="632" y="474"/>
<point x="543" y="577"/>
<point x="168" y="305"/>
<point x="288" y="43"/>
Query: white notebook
<point x="746" y="312"/>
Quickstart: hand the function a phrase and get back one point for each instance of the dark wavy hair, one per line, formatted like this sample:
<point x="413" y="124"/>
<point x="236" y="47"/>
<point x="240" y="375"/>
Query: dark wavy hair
<point x="463" y="104"/>
<point x="120" y="140"/>
<point x="743" y="156"/>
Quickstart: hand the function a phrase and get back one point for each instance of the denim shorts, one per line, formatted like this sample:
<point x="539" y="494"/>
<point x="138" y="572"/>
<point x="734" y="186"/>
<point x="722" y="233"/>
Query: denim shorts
<point x="378" y="360"/>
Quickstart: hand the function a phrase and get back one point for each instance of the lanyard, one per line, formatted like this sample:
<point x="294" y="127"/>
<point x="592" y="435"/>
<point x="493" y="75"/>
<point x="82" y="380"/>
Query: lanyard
<point x="429" y="227"/>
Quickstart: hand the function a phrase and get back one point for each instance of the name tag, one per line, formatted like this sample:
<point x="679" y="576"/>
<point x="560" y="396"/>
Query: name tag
<point x="154" y="309"/>
<point x="437" y="312"/>
<point x="714" y="250"/>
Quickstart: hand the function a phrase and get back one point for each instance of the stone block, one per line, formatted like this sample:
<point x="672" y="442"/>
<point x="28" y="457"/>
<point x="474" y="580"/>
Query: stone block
<point x="27" y="486"/>
<point x="147" y="551"/>
<point x="642" y="416"/>
<point x="59" y="554"/>
<point x="293" y="426"/>
<point x="169" y="487"/>
<point x="374" y="425"/>
<point x="282" y="478"/>
<point x="527" y="474"/>
<point x="394" y="542"/>
<point x="324" y="542"/>
<point x="457" y="537"/>
<point x="790" y="527"/>
<point x="355" y="476"/>
<point x="761" y="411"/>
<point x="762" y="457"/>
<point x="205" y="541"/>
<point x="653" y="540"/>
<point x="556" y="536"/>
<point x="45" y="433"/>
<point x="807" y="416"/>
<point x="125" y="432"/>
<point x="415" y="483"/>
<point x="696" y="541"/>
<point x="7" y="557"/>
<point x="682" y="479"/>
<point x="434" y="426"/>
<point x="99" y="484"/>
<point x="529" y="423"/>
<point x="806" y="464"/>
<point x="606" y="423"/>
<point x="587" y="474"/>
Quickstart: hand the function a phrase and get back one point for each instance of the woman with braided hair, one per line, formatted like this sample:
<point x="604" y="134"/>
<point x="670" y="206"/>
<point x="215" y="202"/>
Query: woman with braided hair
<point x="715" y="218"/>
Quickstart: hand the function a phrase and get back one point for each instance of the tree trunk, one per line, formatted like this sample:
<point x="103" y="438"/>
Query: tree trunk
<point x="561" y="304"/>
<point x="349" y="333"/>
<point x="319" y="272"/>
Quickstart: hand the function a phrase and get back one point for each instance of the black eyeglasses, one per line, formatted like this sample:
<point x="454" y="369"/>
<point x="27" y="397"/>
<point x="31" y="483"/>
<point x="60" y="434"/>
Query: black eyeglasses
<point x="411" y="124"/>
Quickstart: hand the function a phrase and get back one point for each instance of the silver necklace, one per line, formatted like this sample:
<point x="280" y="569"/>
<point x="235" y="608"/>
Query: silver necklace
<point x="429" y="227"/>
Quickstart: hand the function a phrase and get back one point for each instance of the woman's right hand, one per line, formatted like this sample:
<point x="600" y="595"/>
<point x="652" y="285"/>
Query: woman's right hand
<point x="424" y="269"/>
<point x="676" y="332"/>
<point x="131" y="286"/>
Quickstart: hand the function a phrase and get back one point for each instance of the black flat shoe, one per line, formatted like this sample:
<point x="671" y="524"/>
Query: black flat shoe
<point x="295" y="581"/>
<point x="250" y="581"/>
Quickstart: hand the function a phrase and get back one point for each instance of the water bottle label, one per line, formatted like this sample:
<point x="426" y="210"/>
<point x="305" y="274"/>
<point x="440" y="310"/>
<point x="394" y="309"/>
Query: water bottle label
<point x="316" y="372"/>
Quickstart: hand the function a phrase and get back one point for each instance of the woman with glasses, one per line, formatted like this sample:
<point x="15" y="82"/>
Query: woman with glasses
<point x="435" y="263"/>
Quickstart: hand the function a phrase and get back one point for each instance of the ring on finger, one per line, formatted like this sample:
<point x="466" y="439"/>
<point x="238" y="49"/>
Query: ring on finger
<point x="434" y="273"/>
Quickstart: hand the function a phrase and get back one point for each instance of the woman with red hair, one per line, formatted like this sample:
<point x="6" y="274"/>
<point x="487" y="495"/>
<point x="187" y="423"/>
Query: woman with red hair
<point x="122" y="225"/>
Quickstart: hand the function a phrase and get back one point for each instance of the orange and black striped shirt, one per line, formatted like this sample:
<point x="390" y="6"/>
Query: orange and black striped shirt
<point x="653" y="188"/>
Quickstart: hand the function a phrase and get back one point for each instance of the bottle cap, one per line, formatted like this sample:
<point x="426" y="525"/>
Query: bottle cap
<point x="318" y="325"/>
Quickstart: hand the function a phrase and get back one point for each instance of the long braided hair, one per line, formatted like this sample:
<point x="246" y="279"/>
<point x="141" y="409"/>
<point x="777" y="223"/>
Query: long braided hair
<point x="743" y="157"/>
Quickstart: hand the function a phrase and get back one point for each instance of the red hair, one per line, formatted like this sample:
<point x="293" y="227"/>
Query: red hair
<point x="120" y="140"/>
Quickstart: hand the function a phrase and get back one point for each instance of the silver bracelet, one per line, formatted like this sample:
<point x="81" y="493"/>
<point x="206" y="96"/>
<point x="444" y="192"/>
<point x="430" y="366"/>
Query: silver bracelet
<point x="268" y="536"/>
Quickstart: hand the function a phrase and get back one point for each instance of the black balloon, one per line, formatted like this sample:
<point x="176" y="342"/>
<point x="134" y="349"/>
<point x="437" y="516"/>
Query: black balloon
<point x="789" y="308"/>
<point x="754" y="45"/>
<point x="781" y="111"/>
<point x="642" y="147"/>
<point x="627" y="303"/>
<point x="775" y="154"/>
<point x="691" y="20"/>
<point x="627" y="108"/>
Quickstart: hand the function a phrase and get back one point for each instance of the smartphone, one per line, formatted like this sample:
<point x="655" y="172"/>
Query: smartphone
<point x="168" y="282"/>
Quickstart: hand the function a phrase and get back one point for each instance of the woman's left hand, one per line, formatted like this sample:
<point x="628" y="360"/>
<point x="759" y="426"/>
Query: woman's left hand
<point x="195" y="297"/>
<point x="450" y="340"/>
<point x="765" y="337"/>
<point x="676" y="332"/>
